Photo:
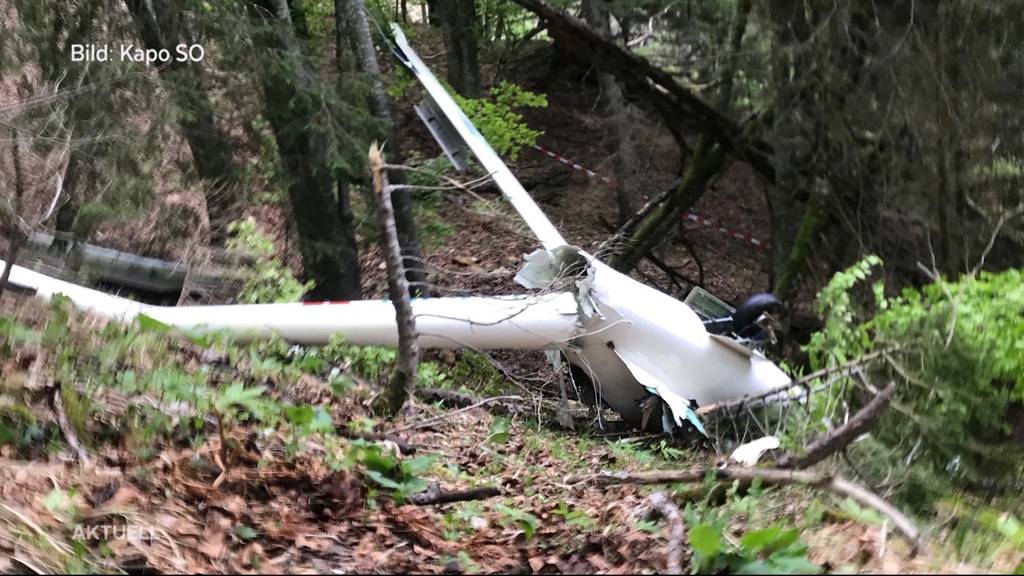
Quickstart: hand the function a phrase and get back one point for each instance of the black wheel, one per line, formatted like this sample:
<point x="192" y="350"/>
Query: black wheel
<point x="751" y="309"/>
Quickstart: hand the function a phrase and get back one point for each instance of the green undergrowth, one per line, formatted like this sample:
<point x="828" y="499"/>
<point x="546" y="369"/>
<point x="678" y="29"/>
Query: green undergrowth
<point x="144" y="386"/>
<point x="948" y="447"/>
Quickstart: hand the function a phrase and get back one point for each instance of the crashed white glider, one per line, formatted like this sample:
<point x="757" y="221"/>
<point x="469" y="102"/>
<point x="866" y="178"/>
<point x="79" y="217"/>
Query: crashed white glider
<point x="631" y="340"/>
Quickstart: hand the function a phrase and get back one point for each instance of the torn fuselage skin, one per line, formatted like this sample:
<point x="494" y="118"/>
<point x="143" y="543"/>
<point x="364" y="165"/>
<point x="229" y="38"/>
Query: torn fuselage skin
<point x="634" y="341"/>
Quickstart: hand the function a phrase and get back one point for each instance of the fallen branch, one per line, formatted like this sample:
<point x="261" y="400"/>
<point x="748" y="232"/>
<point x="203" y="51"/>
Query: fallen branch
<point x="430" y="497"/>
<point x="660" y="505"/>
<point x="403" y="446"/>
<point x="769" y="476"/>
<point x="834" y="441"/>
<point x="67" y="429"/>
<point x="681" y="109"/>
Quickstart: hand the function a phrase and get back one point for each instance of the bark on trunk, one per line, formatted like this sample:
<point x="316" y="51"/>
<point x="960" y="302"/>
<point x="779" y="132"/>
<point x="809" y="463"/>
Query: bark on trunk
<point x="68" y="211"/>
<point x="12" y="214"/>
<point x="459" y="22"/>
<point x="380" y="105"/>
<point x="160" y="28"/>
<point x="707" y="162"/>
<point x="617" y="140"/>
<point x="404" y="378"/>
<point x="328" y="247"/>
<point x="739" y="28"/>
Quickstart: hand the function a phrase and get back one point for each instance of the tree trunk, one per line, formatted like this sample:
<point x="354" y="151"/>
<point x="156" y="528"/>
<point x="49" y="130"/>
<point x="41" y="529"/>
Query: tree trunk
<point x="73" y="191"/>
<point x="739" y="28"/>
<point x="707" y="162"/>
<point x="617" y="140"/>
<point x="328" y="248"/>
<point x="433" y="12"/>
<point x="380" y="105"/>
<point x="458" y="19"/>
<point x="404" y="378"/>
<point x="15" y="234"/>
<point x="211" y="149"/>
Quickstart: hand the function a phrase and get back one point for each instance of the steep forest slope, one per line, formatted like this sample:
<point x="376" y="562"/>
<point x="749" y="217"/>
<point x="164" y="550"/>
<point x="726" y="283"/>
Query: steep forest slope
<point x="864" y="163"/>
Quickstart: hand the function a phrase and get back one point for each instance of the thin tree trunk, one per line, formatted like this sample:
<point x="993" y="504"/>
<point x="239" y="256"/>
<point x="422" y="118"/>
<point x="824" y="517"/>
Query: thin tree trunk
<point x="68" y="211"/>
<point x="380" y="105"/>
<point x="15" y="234"/>
<point x="617" y="140"/>
<point x="815" y="214"/>
<point x="329" y="253"/>
<point x="404" y="377"/>
<point x="211" y="149"/>
<point x="458" y="19"/>
<point x="433" y="8"/>
<point x="739" y="28"/>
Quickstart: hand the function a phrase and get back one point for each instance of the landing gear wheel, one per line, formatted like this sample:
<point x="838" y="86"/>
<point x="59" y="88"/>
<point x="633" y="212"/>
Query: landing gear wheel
<point x="743" y="320"/>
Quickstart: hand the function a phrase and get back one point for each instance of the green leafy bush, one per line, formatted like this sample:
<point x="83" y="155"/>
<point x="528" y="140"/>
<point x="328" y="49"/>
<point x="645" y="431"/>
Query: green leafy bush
<point x="400" y="477"/>
<point x="956" y="350"/>
<point x="498" y="121"/>
<point x="268" y="280"/>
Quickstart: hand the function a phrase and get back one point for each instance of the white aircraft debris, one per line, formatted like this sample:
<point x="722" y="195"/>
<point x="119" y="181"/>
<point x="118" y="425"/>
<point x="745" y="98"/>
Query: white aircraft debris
<point x="748" y="454"/>
<point x="631" y="340"/>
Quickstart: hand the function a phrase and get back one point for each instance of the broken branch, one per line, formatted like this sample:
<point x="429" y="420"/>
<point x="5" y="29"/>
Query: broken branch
<point x="404" y="377"/>
<point x="769" y="476"/>
<point x="440" y="417"/>
<point x="660" y="505"/>
<point x="430" y="497"/>
<point x="834" y="441"/>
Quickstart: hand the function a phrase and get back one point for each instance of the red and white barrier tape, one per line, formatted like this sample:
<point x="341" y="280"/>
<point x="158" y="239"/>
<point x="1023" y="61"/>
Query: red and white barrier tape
<point x="571" y="164"/>
<point x="690" y="216"/>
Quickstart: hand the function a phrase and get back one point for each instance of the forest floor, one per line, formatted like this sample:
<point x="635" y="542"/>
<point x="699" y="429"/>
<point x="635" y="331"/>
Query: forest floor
<point x="252" y="484"/>
<point x="281" y="498"/>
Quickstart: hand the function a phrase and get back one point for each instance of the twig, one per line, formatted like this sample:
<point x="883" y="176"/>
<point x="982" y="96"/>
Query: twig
<point x="770" y="476"/>
<point x="660" y="505"/>
<point x="67" y="429"/>
<point x="831" y="442"/>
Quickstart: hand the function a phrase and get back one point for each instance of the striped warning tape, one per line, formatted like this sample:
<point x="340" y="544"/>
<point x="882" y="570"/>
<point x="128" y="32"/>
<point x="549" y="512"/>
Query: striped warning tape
<point x="571" y="164"/>
<point x="690" y="216"/>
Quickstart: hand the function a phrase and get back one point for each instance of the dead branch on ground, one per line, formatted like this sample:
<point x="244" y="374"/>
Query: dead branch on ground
<point x="838" y="439"/>
<point x="434" y="495"/>
<point x="660" y="505"/>
<point x="446" y="415"/>
<point x="769" y="476"/>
